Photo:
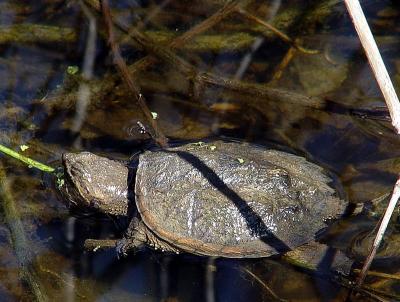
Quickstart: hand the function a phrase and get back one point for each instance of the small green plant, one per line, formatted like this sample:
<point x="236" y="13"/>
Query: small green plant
<point x="72" y="70"/>
<point x="31" y="163"/>
<point x="60" y="182"/>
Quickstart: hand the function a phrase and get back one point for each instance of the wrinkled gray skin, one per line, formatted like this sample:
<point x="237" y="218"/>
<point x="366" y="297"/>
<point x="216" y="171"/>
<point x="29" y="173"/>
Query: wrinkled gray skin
<point x="217" y="199"/>
<point x="96" y="182"/>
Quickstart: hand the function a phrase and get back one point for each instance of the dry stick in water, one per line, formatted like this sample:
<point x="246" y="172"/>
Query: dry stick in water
<point x="203" y="26"/>
<point x="179" y="41"/>
<point x="375" y="60"/>
<point x="385" y="84"/>
<point x="100" y="244"/>
<point x="158" y="136"/>
<point x="207" y="78"/>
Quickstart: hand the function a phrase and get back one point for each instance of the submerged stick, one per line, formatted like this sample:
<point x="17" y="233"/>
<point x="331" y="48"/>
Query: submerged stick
<point x="21" y="246"/>
<point x="158" y="136"/>
<point x="284" y="37"/>
<point x="198" y="29"/>
<point x="166" y="55"/>
<point x="30" y="162"/>
<point x="203" y="26"/>
<point x="375" y="60"/>
<point x="100" y="244"/>
<point x="263" y="284"/>
<point x="380" y="275"/>
<point x="36" y="33"/>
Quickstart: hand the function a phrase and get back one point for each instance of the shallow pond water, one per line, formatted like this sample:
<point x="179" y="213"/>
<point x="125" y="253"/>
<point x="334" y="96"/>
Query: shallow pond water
<point x="208" y="69"/>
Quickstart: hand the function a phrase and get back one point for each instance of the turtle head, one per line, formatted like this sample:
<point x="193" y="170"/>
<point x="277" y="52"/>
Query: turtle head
<point x="92" y="181"/>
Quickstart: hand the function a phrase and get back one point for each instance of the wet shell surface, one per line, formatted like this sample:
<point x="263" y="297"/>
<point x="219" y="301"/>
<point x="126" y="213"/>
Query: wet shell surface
<point x="233" y="199"/>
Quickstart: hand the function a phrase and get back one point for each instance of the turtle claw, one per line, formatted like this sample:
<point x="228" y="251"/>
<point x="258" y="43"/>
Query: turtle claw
<point x="122" y="248"/>
<point x="126" y="246"/>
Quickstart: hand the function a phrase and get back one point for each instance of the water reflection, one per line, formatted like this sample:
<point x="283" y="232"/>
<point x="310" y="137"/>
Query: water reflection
<point x="39" y="99"/>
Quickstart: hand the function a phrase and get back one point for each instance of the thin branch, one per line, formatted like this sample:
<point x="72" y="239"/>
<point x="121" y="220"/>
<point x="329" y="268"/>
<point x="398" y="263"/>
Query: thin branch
<point x="283" y="64"/>
<point x="386" y="86"/>
<point x="380" y="275"/>
<point x="276" y="31"/>
<point x="165" y="54"/>
<point x="178" y="42"/>
<point x="100" y="244"/>
<point x="375" y="60"/>
<point x="381" y="231"/>
<point x="158" y="136"/>
<point x="263" y="284"/>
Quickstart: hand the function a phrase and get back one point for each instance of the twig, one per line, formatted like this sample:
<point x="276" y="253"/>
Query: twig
<point x="100" y="244"/>
<point x="265" y="285"/>
<point x="375" y="60"/>
<point x="380" y="275"/>
<point x="378" y="294"/>
<point x="372" y="295"/>
<point x="34" y="33"/>
<point x="158" y="136"/>
<point x="191" y="72"/>
<point x="260" y="90"/>
<point x="283" y="64"/>
<point x="386" y="86"/>
<point x="178" y="42"/>
<point x="276" y="31"/>
<point x="381" y="231"/>
<point x="214" y="19"/>
<point x="152" y="14"/>
<point x="26" y="160"/>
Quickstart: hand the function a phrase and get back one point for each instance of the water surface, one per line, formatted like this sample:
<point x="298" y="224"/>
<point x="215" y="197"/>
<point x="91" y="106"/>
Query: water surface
<point x="314" y="95"/>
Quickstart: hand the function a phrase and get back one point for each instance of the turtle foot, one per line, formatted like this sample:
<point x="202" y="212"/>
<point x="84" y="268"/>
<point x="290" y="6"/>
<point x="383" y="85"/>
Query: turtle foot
<point x="126" y="246"/>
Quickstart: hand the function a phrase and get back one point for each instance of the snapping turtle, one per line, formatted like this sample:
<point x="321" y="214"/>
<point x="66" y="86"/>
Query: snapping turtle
<point x="218" y="199"/>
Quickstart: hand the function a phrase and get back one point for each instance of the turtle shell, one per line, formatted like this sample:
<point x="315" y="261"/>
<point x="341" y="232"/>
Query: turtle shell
<point x="233" y="199"/>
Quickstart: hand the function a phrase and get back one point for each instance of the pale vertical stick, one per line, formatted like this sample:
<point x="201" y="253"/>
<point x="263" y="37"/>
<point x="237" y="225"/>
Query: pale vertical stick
<point x="375" y="60"/>
<point x="392" y="102"/>
<point x="381" y="231"/>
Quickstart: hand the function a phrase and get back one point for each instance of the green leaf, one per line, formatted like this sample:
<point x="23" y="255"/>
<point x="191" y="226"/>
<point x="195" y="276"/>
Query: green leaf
<point x="73" y="69"/>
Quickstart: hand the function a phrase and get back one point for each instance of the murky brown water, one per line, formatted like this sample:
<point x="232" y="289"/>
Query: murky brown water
<point x="233" y="78"/>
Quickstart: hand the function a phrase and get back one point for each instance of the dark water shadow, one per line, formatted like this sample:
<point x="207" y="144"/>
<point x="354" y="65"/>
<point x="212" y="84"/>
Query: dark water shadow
<point x="327" y="264"/>
<point x="254" y="222"/>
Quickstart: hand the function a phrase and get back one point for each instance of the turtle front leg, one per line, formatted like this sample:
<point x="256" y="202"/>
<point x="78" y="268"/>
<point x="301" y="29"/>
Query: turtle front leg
<point x="138" y="235"/>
